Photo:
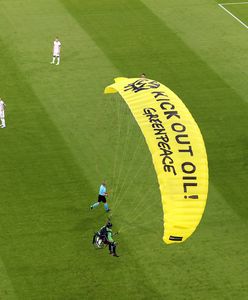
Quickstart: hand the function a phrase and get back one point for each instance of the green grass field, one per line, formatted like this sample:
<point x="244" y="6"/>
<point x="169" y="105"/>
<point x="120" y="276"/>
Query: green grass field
<point x="64" y="136"/>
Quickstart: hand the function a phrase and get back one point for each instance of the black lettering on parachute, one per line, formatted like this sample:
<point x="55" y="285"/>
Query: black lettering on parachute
<point x="178" y="152"/>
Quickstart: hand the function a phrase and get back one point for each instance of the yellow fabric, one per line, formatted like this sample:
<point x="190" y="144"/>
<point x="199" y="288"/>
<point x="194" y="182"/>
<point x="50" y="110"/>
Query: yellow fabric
<point x="177" y="150"/>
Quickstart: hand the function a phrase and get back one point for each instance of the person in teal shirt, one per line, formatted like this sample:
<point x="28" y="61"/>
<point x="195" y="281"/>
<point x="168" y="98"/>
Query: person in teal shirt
<point x="102" y="197"/>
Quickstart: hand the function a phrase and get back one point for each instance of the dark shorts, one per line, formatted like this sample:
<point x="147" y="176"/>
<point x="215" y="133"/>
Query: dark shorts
<point x="101" y="199"/>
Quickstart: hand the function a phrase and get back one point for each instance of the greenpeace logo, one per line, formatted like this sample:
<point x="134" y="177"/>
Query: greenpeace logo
<point x="141" y="85"/>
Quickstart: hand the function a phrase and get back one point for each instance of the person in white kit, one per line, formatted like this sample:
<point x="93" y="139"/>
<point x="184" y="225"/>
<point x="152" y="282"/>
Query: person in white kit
<point x="2" y="105"/>
<point x="56" y="51"/>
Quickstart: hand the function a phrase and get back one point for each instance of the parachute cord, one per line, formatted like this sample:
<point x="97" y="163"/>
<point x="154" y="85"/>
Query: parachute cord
<point x="117" y="146"/>
<point x="142" y="202"/>
<point x="119" y="195"/>
<point x="98" y="158"/>
<point x="128" y="125"/>
<point x="124" y="151"/>
<point x="119" y="109"/>
<point x="134" y="176"/>
<point x="133" y="225"/>
<point x="137" y="217"/>
<point x="130" y="168"/>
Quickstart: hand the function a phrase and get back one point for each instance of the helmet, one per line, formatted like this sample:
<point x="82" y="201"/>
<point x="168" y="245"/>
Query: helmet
<point x="109" y="224"/>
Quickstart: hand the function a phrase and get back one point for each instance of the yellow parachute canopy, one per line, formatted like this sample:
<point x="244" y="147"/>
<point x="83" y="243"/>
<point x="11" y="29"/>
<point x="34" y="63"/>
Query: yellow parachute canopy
<point x="177" y="149"/>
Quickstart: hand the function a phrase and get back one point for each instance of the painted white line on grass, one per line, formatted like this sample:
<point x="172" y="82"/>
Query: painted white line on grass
<point x="233" y="3"/>
<point x="221" y="5"/>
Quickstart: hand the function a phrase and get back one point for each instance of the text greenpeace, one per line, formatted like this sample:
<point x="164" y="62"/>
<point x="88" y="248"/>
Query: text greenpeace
<point x="181" y="137"/>
<point x="177" y="148"/>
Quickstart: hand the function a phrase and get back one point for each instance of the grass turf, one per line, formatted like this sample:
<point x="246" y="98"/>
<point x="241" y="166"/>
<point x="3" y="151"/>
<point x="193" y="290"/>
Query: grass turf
<point x="64" y="137"/>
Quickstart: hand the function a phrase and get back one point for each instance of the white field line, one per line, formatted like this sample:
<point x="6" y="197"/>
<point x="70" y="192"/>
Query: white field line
<point x="233" y="3"/>
<point x="222" y="6"/>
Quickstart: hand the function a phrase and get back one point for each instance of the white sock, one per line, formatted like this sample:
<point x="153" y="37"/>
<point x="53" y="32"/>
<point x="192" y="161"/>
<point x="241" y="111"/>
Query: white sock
<point x="3" y="122"/>
<point x="58" y="60"/>
<point x="53" y="60"/>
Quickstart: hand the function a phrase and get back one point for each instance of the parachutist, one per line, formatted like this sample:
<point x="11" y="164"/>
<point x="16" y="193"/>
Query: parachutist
<point x="102" y="197"/>
<point x="105" y="237"/>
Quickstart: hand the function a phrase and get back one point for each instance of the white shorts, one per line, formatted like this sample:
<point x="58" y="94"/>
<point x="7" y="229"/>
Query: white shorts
<point x="2" y="114"/>
<point x="56" y="54"/>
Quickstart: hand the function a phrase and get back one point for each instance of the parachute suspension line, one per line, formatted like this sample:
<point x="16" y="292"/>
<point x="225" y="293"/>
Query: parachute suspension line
<point x="129" y="170"/>
<point x="104" y="107"/>
<point x="141" y="202"/>
<point x="120" y="118"/>
<point x="136" y="225"/>
<point x="124" y="149"/>
<point x="124" y="181"/>
<point x="118" y="196"/>
<point x="117" y="108"/>
<point x="136" y="213"/>
<point x="126" y="123"/>
<point x="129" y="137"/>
<point x="136" y="216"/>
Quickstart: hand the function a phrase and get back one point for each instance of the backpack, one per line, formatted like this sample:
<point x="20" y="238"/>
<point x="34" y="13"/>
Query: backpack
<point x="103" y="231"/>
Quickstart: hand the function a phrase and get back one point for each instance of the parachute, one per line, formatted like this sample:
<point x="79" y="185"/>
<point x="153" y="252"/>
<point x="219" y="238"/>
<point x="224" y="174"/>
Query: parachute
<point x="178" y="152"/>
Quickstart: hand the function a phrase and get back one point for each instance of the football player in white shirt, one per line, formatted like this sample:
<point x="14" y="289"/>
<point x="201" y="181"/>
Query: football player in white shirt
<point x="56" y="51"/>
<point x="2" y="105"/>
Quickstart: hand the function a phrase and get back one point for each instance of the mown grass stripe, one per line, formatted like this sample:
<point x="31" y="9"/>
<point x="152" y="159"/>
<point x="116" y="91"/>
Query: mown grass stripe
<point x="6" y="289"/>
